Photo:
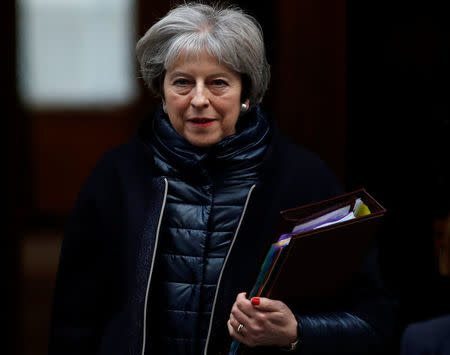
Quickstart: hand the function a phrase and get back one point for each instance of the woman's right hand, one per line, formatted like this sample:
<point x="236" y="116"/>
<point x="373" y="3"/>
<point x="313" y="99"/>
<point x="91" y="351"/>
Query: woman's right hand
<point x="262" y="322"/>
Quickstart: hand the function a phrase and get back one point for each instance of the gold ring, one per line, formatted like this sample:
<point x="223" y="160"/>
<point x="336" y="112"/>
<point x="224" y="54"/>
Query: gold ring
<point x="239" y="328"/>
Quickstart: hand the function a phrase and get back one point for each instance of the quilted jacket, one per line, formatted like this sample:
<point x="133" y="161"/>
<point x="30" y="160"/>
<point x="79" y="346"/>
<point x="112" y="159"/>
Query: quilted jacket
<point x="207" y="189"/>
<point x="106" y="271"/>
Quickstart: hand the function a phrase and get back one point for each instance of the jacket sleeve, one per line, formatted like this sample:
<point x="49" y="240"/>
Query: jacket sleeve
<point x="363" y="320"/>
<point x="364" y="323"/>
<point x="81" y="297"/>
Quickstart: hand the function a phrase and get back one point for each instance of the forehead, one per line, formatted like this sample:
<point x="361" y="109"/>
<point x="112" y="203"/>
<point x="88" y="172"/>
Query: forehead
<point x="201" y="63"/>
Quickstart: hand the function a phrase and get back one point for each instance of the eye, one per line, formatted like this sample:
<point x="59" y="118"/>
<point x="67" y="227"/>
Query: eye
<point x="219" y="82"/>
<point x="181" y="82"/>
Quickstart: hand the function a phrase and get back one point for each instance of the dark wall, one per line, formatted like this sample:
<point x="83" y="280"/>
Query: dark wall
<point x="309" y="77"/>
<point x="398" y="135"/>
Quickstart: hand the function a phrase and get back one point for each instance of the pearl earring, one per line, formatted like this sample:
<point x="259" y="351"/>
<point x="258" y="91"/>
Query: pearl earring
<point x="165" y="108"/>
<point x="244" y="107"/>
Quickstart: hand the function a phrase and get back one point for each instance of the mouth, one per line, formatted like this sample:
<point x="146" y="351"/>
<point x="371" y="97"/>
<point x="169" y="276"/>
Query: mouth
<point x="201" y="121"/>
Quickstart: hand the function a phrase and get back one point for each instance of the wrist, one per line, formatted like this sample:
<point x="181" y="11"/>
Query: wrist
<point x="292" y="346"/>
<point x="294" y="341"/>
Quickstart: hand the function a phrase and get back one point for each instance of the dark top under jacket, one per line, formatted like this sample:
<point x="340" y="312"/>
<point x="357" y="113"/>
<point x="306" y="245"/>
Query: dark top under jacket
<point x="106" y="281"/>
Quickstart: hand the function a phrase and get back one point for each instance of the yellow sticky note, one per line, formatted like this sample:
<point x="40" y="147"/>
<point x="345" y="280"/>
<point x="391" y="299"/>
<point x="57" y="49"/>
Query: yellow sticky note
<point x="363" y="210"/>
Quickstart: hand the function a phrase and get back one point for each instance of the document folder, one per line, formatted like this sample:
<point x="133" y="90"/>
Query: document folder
<point x="328" y="241"/>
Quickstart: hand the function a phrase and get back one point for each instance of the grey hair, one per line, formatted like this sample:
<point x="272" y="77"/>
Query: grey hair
<point x="232" y="36"/>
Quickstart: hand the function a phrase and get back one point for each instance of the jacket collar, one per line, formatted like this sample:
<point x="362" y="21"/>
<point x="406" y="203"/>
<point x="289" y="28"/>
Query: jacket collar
<point x="240" y="153"/>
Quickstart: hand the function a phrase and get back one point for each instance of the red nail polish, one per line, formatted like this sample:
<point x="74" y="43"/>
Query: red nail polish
<point x="255" y="301"/>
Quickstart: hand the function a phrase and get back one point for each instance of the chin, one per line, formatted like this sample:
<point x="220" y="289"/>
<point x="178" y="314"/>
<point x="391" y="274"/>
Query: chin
<point x="203" y="141"/>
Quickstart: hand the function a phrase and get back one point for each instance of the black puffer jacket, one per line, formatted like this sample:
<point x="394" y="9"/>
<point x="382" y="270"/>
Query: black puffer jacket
<point x="207" y="190"/>
<point x="106" y="270"/>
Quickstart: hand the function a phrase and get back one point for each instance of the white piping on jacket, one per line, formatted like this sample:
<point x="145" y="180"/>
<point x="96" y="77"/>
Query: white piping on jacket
<point x="223" y="268"/>
<point x="166" y="183"/>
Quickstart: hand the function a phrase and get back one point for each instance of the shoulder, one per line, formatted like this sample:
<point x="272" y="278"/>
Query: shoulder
<point x="298" y="160"/>
<point x="136" y="151"/>
<point x="120" y="167"/>
<point x="302" y="172"/>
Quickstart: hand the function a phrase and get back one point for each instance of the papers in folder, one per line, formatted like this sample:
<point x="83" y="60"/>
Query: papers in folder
<point x="275" y="252"/>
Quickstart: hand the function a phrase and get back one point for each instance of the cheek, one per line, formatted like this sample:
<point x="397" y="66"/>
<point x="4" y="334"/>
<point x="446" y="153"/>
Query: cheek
<point x="232" y="110"/>
<point x="175" y="102"/>
<point x="230" y="105"/>
<point x="175" y="109"/>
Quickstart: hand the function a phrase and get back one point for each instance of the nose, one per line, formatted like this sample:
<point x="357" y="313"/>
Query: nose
<point x="200" y="97"/>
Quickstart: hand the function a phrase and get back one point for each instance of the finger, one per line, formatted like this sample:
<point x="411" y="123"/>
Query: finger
<point x="242" y="294"/>
<point x="231" y="330"/>
<point x="234" y="322"/>
<point x="244" y="305"/>
<point x="234" y="333"/>
<point x="267" y="305"/>
<point x="238" y="315"/>
<point x="273" y="311"/>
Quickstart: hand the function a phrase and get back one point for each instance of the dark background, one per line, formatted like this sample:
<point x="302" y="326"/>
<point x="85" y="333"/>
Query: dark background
<point x="363" y="84"/>
<point x="398" y="101"/>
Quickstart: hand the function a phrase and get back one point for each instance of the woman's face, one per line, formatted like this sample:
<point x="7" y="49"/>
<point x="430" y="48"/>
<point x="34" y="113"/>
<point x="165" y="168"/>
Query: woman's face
<point x="203" y="99"/>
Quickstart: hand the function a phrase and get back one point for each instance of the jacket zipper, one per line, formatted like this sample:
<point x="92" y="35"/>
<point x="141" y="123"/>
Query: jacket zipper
<point x="223" y="268"/>
<point x="144" y="335"/>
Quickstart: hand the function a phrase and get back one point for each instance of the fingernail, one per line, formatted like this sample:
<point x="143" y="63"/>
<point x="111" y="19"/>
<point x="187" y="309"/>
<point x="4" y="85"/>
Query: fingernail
<point x="255" y="301"/>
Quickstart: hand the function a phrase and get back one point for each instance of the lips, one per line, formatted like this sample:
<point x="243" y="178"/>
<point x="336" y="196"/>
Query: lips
<point x="201" y="121"/>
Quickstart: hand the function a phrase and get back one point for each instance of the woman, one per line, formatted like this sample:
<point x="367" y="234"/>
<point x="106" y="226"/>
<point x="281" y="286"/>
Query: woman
<point x="170" y="229"/>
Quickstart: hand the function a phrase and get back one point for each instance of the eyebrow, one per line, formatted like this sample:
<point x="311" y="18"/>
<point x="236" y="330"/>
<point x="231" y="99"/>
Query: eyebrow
<point x="175" y="73"/>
